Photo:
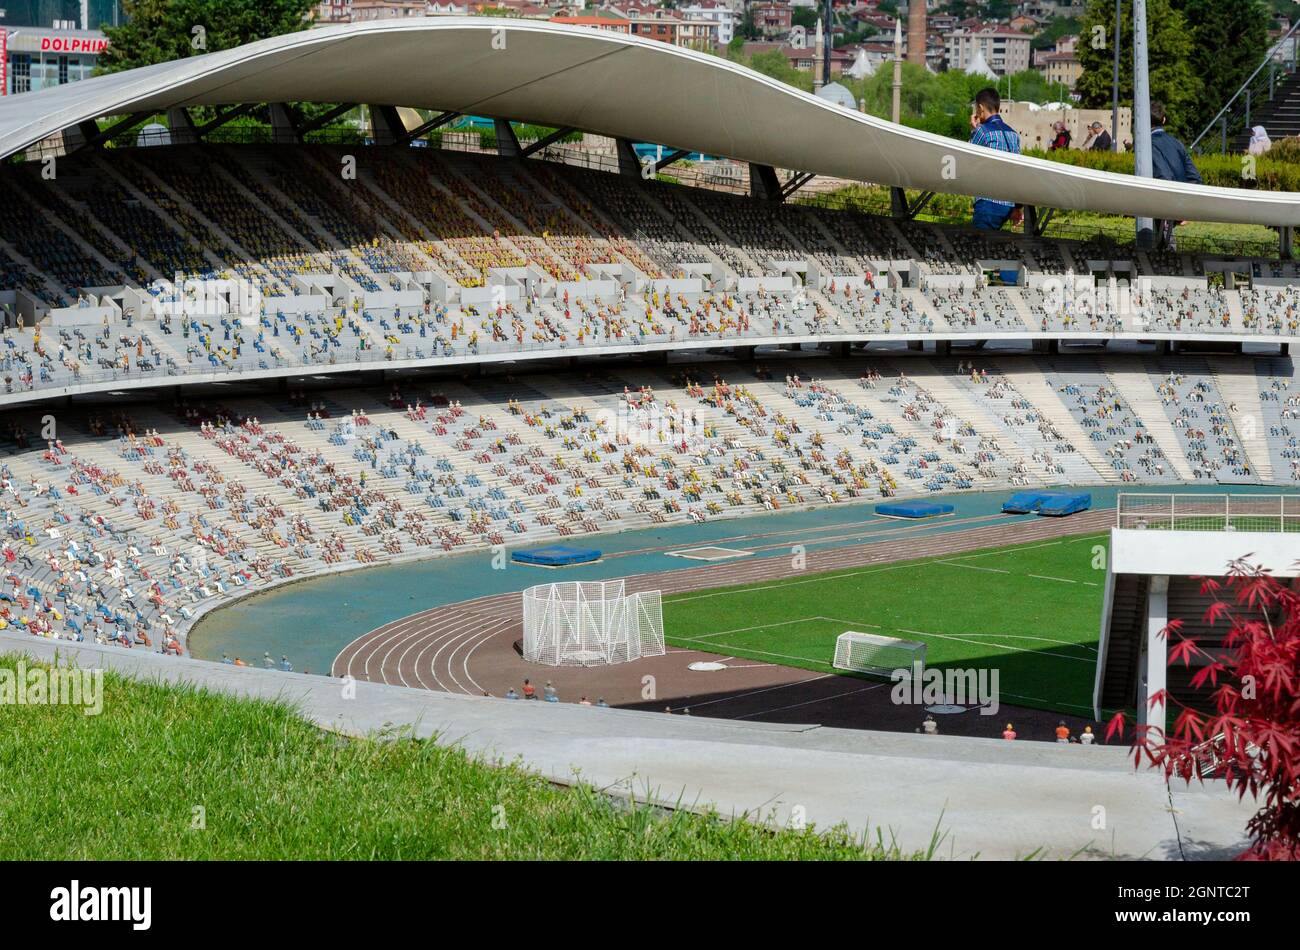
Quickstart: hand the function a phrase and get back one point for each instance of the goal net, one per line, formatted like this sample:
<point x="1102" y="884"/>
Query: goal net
<point x="873" y="653"/>
<point x="595" y="623"/>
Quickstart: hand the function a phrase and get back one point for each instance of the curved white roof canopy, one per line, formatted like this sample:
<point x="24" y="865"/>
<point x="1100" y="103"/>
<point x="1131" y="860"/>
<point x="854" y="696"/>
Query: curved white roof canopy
<point x="616" y="85"/>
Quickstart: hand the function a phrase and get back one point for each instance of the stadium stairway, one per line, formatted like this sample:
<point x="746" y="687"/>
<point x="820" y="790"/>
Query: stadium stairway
<point x="1235" y="378"/>
<point x="960" y="414"/>
<point x="889" y="408"/>
<point x="413" y="230"/>
<point x="1188" y="603"/>
<point x="1028" y="380"/>
<point x="52" y="289"/>
<point x="1127" y="633"/>
<point x="143" y="179"/>
<point x="277" y="205"/>
<point x="1028" y="437"/>
<point x="1195" y="371"/>
<point x="1017" y="301"/>
<point x="110" y="177"/>
<point x="1015" y="443"/>
<point x="1134" y="386"/>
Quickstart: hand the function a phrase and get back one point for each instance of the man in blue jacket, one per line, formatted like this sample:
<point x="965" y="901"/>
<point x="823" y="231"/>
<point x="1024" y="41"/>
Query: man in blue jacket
<point x="988" y="129"/>
<point x="1169" y="162"/>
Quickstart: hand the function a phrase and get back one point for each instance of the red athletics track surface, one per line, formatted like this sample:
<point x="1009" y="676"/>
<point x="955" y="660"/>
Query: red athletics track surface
<point x="472" y="647"/>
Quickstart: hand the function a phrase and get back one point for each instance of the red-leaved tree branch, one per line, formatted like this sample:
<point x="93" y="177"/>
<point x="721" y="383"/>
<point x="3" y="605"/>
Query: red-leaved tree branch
<point x="1252" y="740"/>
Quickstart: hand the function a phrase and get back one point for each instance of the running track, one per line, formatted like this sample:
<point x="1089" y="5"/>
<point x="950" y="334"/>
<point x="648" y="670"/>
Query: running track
<point x="470" y="647"/>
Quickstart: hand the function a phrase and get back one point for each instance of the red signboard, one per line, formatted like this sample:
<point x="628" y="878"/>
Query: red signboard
<point x="4" y="61"/>
<point x="72" y="44"/>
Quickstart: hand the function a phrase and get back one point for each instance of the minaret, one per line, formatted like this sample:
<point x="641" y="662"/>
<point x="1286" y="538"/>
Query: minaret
<point x="916" y="31"/>
<point x="819" y="79"/>
<point x="898" y="69"/>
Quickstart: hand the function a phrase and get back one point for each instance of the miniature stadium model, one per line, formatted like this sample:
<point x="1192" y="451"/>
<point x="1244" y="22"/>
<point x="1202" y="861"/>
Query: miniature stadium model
<point x="413" y="447"/>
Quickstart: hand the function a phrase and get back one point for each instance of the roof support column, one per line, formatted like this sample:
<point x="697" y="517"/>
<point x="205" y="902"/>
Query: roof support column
<point x="763" y="182"/>
<point x="181" y="126"/>
<point x="1286" y="240"/>
<point x="507" y="143"/>
<point x="284" y="131"/>
<point x="629" y="164"/>
<point x="1036" y="223"/>
<point x="898" y="203"/>
<point x="386" y="125"/>
<point x="82" y="135"/>
<point x="1153" y="665"/>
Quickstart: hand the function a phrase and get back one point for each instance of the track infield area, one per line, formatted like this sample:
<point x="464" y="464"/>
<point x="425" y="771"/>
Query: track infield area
<point x="1030" y="611"/>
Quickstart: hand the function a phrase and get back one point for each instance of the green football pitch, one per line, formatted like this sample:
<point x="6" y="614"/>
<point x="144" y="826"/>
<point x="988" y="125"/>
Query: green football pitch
<point x="1032" y="611"/>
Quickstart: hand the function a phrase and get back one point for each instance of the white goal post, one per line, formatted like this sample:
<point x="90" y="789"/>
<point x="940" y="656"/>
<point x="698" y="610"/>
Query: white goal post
<point x="578" y="623"/>
<point x="880" y="655"/>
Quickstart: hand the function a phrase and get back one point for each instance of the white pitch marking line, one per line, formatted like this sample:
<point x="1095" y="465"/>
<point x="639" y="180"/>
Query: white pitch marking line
<point x="975" y="567"/>
<point x="823" y="699"/>
<point x="765" y="689"/>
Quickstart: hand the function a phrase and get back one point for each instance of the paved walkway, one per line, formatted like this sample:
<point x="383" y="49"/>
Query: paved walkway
<point x="993" y="799"/>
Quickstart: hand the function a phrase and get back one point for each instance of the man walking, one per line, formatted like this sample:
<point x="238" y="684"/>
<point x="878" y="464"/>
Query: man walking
<point x="988" y="129"/>
<point x="1169" y="162"/>
<point x="1101" y="140"/>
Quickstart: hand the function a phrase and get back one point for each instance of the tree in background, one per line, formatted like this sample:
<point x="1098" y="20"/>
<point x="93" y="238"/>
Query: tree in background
<point x="157" y="31"/>
<point x="1252" y="740"/>
<point x="1058" y="27"/>
<point x="1168" y="53"/>
<point x="806" y="17"/>
<point x="1229" y="39"/>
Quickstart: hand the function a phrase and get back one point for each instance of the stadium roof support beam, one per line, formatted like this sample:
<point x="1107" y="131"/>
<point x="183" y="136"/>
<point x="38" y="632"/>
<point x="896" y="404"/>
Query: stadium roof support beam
<point x="284" y="128"/>
<point x="76" y="136"/>
<point x="99" y="137"/>
<point x="436" y="122"/>
<point x="795" y="183"/>
<point x="507" y="141"/>
<point x="622" y="86"/>
<point x="343" y="108"/>
<point x="1286" y="242"/>
<point x="220" y="120"/>
<point x="546" y="140"/>
<point x="180" y="125"/>
<point x="386" y="125"/>
<point x="1036" y="221"/>
<point x="763" y="182"/>
<point x="902" y="208"/>
<point x="629" y="163"/>
<point x="674" y="156"/>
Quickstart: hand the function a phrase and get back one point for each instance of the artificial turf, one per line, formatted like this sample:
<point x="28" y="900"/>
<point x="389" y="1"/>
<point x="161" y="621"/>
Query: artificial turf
<point x="1032" y="611"/>
<point x="168" y="772"/>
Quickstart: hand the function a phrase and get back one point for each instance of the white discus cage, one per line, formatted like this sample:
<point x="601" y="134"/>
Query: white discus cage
<point x="880" y="655"/>
<point x="578" y="623"/>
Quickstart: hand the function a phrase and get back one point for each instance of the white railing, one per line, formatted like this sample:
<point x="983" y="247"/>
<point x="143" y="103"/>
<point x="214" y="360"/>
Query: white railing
<point x="1175" y="512"/>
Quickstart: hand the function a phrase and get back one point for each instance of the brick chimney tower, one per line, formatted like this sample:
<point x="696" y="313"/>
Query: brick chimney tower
<point x="916" y="31"/>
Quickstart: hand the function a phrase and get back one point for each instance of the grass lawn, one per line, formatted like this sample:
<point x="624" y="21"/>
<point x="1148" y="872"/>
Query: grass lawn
<point x="1032" y="611"/>
<point x="178" y="773"/>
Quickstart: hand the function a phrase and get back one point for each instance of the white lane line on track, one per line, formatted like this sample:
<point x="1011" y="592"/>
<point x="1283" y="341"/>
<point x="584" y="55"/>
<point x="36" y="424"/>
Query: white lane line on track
<point x="369" y="646"/>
